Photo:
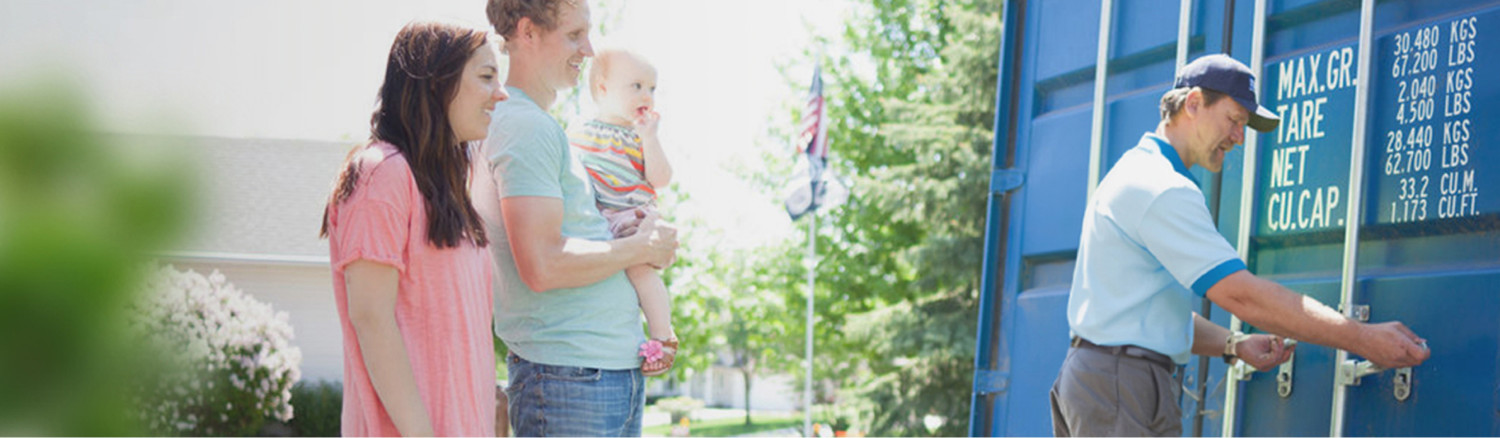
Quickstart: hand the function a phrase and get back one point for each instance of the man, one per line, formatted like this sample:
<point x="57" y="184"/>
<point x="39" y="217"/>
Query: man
<point x="562" y="303"/>
<point x="1148" y="243"/>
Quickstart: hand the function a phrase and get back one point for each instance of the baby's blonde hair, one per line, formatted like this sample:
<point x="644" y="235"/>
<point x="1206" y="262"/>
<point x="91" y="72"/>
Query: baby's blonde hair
<point x="600" y="66"/>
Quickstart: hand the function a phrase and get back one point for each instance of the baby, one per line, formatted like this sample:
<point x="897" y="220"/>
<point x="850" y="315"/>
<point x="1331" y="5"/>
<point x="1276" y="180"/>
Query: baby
<point x="624" y="159"/>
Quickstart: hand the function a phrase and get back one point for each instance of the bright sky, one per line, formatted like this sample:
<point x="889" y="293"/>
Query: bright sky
<point x="310" y="70"/>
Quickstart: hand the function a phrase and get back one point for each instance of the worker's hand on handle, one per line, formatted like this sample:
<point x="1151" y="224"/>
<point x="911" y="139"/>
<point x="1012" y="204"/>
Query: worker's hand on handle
<point x="1263" y="351"/>
<point x="1391" y="345"/>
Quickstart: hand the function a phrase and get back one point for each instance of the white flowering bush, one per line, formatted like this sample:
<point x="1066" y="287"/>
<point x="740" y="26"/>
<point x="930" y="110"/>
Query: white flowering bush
<point x="226" y="363"/>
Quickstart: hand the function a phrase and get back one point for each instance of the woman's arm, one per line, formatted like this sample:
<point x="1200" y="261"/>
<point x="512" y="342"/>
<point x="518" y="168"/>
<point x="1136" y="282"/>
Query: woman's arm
<point x="372" y="289"/>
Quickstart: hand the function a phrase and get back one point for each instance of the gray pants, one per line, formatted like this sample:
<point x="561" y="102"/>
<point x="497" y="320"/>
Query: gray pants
<point x="1099" y="393"/>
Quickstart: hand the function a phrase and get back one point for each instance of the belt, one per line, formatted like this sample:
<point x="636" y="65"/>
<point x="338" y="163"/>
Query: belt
<point x="1127" y="351"/>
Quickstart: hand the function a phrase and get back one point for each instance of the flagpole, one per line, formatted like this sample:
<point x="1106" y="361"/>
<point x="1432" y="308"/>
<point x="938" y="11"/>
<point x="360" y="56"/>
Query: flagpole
<point x="812" y="265"/>
<point x="815" y="151"/>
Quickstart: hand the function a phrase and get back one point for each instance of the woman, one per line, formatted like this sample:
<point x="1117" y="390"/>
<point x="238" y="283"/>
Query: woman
<point x="411" y="271"/>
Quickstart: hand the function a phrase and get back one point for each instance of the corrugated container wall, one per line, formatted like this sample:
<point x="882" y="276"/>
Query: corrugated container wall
<point x="1410" y="233"/>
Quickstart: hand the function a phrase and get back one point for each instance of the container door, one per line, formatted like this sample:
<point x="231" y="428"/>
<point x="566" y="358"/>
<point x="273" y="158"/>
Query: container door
<point x="1429" y="242"/>
<point x="1425" y="243"/>
<point x="1036" y="208"/>
<point x="1299" y="178"/>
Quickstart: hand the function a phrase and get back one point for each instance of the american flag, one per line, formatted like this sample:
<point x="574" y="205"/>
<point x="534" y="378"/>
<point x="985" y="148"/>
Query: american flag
<point x="812" y="139"/>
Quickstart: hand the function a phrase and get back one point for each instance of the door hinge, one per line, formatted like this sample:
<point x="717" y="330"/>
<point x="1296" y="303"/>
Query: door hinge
<point x="1360" y="312"/>
<point x="991" y="381"/>
<point x="1005" y="180"/>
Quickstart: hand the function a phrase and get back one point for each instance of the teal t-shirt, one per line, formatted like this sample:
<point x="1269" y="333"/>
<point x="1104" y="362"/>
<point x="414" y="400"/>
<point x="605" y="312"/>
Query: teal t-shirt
<point x="595" y="326"/>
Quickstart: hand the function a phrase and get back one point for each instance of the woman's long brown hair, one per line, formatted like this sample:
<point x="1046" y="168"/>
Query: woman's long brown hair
<point x="421" y="76"/>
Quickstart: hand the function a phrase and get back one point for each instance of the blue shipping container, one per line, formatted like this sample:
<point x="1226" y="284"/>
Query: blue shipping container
<point x="1401" y="227"/>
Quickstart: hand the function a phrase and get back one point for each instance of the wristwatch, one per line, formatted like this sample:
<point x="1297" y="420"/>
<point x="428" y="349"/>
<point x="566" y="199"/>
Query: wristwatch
<point x="1230" y="344"/>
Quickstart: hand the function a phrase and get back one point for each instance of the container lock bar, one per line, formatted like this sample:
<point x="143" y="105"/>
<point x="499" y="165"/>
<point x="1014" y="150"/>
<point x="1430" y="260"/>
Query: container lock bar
<point x="1284" y="373"/>
<point x="1351" y="371"/>
<point x="1241" y="371"/>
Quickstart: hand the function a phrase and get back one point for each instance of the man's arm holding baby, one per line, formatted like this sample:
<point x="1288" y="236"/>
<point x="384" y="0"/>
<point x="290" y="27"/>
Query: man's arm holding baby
<point x="548" y="260"/>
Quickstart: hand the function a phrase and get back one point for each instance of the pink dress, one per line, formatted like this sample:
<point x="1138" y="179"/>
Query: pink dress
<point x="444" y="304"/>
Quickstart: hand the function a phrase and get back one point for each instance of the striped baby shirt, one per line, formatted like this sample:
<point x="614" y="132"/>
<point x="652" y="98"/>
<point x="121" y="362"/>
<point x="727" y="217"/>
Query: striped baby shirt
<point x="612" y="156"/>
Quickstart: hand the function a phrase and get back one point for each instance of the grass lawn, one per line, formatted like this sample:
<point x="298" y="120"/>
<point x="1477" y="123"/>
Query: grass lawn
<point x="732" y="426"/>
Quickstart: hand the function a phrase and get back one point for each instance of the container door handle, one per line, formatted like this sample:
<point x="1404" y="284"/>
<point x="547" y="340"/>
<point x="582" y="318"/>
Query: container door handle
<point x="1241" y="371"/>
<point x="1284" y="372"/>
<point x="1403" y="383"/>
<point x="1350" y="373"/>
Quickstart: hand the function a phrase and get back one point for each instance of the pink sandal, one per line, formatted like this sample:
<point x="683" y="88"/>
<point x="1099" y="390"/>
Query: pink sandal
<point x="659" y="353"/>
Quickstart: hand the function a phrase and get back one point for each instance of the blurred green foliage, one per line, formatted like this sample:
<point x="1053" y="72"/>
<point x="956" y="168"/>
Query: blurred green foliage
<point x="79" y="213"/>
<point x="920" y="135"/>
<point x="319" y="406"/>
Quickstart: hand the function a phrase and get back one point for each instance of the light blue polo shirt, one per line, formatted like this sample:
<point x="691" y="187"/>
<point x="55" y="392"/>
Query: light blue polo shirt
<point x="595" y="326"/>
<point x="1148" y="244"/>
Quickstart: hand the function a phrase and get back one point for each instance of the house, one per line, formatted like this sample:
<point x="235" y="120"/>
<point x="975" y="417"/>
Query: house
<point x="260" y="204"/>
<point x="724" y="386"/>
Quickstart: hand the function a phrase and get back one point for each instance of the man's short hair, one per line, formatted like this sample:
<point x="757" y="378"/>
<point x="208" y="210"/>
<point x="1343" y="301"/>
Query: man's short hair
<point x="506" y="15"/>
<point x="1171" y="103"/>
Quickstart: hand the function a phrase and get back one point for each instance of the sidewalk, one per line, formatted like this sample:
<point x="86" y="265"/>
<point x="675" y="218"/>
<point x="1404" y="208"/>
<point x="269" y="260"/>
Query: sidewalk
<point x="655" y="417"/>
<point x="787" y="432"/>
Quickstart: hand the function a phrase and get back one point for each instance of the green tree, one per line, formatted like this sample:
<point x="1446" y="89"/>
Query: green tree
<point x="904" y="255"/>
<point x="736" y="302"/>
<point x="756" y="319"/>
<point x="911" y="103"/>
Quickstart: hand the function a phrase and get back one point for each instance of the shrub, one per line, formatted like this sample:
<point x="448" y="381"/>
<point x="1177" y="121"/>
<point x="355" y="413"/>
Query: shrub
<point x="320" y="407"/>
<point x="226" y="365"/>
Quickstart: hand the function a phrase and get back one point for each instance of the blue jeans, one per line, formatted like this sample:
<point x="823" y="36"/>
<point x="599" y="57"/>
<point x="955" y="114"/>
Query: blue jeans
<point x="551" y="400"/>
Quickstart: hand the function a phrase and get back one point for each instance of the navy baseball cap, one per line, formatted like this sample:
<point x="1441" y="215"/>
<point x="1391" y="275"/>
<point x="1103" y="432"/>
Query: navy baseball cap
<point x="1226" y="75"/>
